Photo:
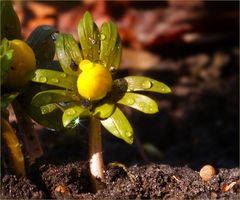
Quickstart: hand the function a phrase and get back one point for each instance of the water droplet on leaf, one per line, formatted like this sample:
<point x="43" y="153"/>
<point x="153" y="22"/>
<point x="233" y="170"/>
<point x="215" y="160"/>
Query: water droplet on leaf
<point x="44" y="110"/>
<point x="42" y="79"/>
<point x="63" y="75"/>
<point x="103" y="37"/>
<point x="71" y="111"/>
<point x="55" y="80"/>
<point x="112" y="69"/>
<point x="75" y="97"/>
<point x="129" y="134"/>
<point x="147" y="84"/>
<point x="92" y="40"/>
<point x="130" y="101"/>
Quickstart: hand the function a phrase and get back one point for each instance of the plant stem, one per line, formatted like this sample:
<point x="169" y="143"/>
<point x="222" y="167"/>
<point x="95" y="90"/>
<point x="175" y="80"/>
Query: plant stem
<point x="12" y="143"/>
<point x="95" y="155"/>
<point x="31" y="142"/>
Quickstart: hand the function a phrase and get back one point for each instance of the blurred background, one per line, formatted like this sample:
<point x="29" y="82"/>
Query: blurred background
<point x="192" y="46"/>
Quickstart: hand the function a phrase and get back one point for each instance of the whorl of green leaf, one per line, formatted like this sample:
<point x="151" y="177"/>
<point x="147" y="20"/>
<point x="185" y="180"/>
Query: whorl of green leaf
<point x="104" y="46"/>
<point x="10" y="24"/>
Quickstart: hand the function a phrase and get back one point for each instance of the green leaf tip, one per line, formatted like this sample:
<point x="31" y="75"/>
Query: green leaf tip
<point x="119" y="126"/>
<point x="142" y="83"/>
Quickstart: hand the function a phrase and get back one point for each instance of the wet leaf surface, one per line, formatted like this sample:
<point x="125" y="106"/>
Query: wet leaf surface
<point x="118" y="125"/>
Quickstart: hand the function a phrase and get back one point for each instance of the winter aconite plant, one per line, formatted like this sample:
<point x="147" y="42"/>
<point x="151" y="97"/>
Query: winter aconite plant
<point x="85" y="87"/>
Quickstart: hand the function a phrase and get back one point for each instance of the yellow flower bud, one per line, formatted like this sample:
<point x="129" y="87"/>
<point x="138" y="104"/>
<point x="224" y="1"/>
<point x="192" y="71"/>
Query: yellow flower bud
<point x="95" y="81"/>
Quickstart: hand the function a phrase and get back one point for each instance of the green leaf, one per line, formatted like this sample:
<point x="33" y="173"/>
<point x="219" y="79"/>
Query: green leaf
<point x="55" y="78"/>
<point x="5" y="59"/>
<point x="104" y="110"/>
<point x="48" y="108"/>
<point x="88" y="34"/>
<point x="119" y="126"/>
<point x="109" y="37"/>
<point x="141" y="83"/>
<point x="73" y="113"/>
<point x="54" y="96"/>
<point x="117" y="55"/>
<point x="139" y="102"/>
<point x="10" y="24"/>
<point x="51" y="120"/>
<point x="67" y="51"/>
<point x="41" y="42"/>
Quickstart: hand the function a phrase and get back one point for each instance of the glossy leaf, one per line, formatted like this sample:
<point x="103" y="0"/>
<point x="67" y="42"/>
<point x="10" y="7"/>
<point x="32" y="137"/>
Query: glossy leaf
<point x="73" y="113"/>
<point x="67" y="51"/>
<point x="139" y="102"/>
<point x="119" y="126"/>
<point x="88" y="34"/>
<point x="55" y="78"/>
<point x="48" y="108"/>
<point x="10" y="24"/>
<point x="51" y="120"/>
<point x="117" y="55"/>
<point x="40" y="40"/>
<point x="141" y="83"/>
<point x="109" y="37"/>
<point x="54" y="96"/>
<point x="5" y="59"/>
<point x="104" y="110"/>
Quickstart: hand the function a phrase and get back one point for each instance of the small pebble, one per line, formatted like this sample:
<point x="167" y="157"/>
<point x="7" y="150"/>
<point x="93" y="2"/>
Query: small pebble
<point x="207" y="172"/>
<point x="62" y="189"/>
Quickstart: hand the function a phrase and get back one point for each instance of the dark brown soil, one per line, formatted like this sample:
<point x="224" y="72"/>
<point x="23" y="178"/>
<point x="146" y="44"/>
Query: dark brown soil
<point x="151" y="181"/>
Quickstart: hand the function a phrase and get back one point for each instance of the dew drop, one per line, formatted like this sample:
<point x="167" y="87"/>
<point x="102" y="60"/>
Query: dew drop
<point x="42" y="79"/>
<point x="75" y="97"/>
<point x="103" y="37"/>
<point x="71" y="111"/>
<point x="129" y="134"/>
<point x="44" y="110"/>
<point x="54" y="36"/>
<point x="142" y="105"/>
<point x="147" y="84"/>
<point x="112" y="69"/>
<point x="130" y="101"/>
<point x="55" y="80"/>
<point x="63" y="75"/>
<point x="92" y="40"/>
